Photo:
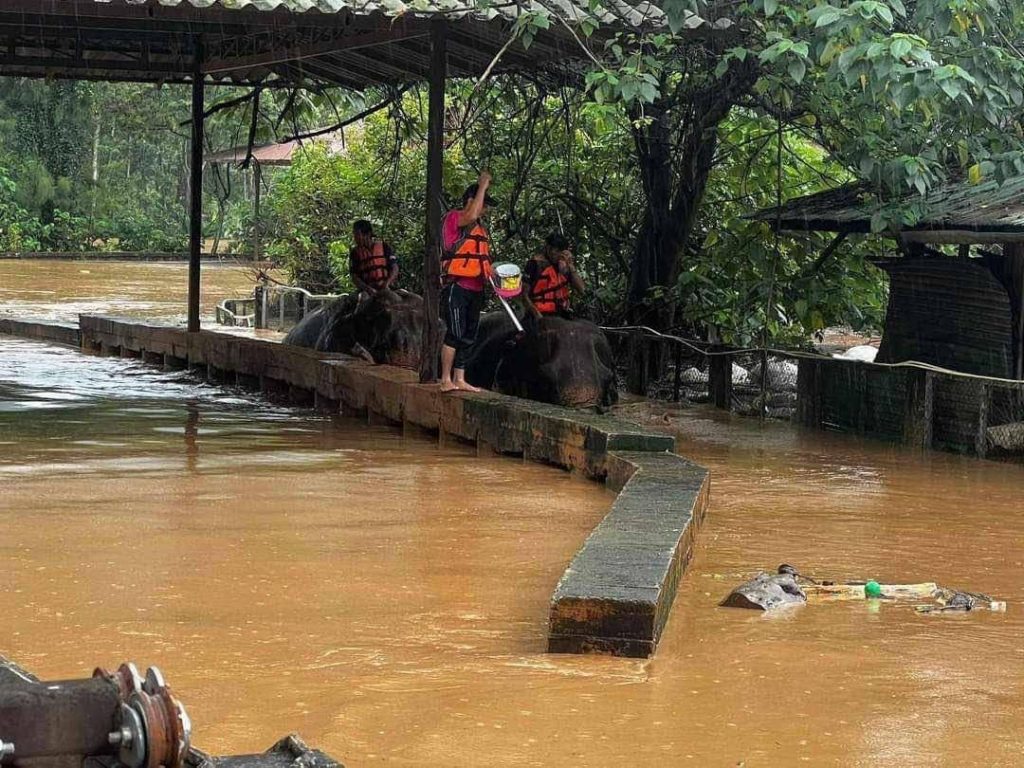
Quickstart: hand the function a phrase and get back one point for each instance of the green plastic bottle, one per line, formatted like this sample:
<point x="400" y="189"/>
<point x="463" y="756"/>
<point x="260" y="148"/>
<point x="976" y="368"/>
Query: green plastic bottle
<point x="872" y="589"/>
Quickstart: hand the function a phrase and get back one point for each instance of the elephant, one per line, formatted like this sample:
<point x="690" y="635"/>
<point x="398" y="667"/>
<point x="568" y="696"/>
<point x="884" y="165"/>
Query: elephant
<point x="385" y="328"/>
<point x="554" y="360"/>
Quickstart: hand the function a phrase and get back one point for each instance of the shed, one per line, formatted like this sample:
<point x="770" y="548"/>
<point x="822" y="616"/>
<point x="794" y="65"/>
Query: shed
<point x="963" y="312"/>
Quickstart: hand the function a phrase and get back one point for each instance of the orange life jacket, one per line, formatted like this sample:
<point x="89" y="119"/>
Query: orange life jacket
<point x="550" y="291"/>
<point x="470" y="255"/>
<point x="371" y="264"/>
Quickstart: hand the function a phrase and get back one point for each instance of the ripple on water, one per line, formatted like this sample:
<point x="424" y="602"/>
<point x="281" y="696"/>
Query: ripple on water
<point x="388" y="598"/>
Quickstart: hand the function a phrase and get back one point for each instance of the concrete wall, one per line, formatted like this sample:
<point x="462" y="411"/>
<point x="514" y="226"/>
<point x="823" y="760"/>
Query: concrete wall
<point x="53" y="333"/>
<point x="616" y="596"/>
<point x="617" y="592"/>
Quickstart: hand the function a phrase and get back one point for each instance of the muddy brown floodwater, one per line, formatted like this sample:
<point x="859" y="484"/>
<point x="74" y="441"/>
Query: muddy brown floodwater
<point x="60" y="290"/>
<point x="387" y="598"/>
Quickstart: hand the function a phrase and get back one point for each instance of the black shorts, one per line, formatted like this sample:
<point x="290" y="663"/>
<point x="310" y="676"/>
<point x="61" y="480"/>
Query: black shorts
<point x="460" y="310"/>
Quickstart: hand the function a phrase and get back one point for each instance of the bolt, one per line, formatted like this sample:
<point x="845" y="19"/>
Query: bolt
<point x="122" y="737"/>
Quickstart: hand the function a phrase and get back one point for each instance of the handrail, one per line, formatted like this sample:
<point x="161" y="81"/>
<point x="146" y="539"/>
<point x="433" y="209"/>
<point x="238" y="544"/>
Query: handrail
<point x="307" y="302"/>
<point x="240" y="313"/>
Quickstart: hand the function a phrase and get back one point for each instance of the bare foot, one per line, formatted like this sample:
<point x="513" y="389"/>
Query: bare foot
<point x="449" y="386"/>
<point x="465" y="386"/>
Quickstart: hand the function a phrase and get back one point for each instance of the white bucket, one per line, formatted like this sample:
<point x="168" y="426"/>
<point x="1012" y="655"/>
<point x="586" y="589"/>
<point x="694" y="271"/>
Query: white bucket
<point x="508" y="280"/>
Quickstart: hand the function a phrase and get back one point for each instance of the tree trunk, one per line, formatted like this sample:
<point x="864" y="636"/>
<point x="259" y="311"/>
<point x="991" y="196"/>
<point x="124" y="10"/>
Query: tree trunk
<point x="675" y="141"/>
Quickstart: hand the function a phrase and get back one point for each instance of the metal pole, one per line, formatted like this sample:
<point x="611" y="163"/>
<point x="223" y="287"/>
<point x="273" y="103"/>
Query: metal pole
<point x="511" y="314"/>
<point x="257" y="176"/>
<point x="435" y="203"/>
<point x="195" y="221"/>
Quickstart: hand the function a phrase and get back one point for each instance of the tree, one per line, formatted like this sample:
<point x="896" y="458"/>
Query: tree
<point x="901" y="95"/>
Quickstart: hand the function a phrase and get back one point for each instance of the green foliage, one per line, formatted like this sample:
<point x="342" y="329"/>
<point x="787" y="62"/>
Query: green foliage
<point x="381" y="178"/>
<point x="744" y="277"/>
<point x="650" y="175"/>
<point x="560" y="163"/>
<point x="902" y="95"/>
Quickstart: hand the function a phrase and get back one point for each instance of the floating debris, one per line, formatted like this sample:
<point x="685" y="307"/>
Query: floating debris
<point x="767" y="592"/>
<point x="788" y="587"/>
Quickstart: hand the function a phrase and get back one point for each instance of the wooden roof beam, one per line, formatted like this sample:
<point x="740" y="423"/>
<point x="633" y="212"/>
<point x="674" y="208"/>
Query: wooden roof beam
<point x="324" y="73"/>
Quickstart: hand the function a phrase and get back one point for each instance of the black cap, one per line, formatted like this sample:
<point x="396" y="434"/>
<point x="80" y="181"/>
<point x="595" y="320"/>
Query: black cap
<point x="470" y="194"/>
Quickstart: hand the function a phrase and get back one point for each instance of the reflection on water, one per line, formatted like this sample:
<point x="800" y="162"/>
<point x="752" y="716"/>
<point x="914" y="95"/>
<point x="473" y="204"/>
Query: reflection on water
<point x="387" y="598"/>
<point x="61" y="290"/>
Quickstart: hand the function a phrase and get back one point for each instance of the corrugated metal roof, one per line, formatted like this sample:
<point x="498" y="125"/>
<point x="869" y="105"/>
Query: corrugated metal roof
<point x="355" y="43"/>
<point x="988" y="207"/>
<point x="618" y="11"/>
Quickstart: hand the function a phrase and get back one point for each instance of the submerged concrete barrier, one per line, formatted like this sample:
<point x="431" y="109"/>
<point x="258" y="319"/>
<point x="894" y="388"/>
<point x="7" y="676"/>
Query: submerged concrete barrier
<point x="617" y="593"/>
<point x="41" y="330"/>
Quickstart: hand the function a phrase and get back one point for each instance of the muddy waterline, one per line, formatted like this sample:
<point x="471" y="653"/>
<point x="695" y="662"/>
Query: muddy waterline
<point x="387" y="598"/>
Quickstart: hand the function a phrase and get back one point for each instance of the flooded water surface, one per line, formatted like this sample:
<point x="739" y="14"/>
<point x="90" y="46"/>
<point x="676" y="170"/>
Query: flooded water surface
<point x="61" y="290"/>
<point x="387" y="598"/>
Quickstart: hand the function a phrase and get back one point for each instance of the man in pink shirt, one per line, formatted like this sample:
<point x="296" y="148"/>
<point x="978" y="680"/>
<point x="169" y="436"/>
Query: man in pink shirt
<point x="465" y="267"/>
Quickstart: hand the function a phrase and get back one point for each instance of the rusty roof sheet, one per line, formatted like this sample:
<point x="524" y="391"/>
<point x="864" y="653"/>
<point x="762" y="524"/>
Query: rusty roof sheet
<point x="279" y="154"/>
<point x="988" y="207"/>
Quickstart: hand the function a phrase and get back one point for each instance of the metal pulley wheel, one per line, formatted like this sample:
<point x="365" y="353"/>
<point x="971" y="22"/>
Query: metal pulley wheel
<point x="127" y="678"/>
<point x="154" y="730"/>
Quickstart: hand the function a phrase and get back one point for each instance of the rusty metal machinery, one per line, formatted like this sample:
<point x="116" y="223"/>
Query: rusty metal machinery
<point x="118" y="716"/>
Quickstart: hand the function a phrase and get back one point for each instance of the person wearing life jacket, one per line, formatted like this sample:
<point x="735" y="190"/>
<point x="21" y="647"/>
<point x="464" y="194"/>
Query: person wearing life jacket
<point x="465" y="271"/>
<point x="550" y="275"/>
<point x="371" y="262"/>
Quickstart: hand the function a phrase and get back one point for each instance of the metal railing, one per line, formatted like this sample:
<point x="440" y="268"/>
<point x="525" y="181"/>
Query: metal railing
<point x="282" y="307"/>
<point x="240" y="313"/>
<point x="273" y="306"/>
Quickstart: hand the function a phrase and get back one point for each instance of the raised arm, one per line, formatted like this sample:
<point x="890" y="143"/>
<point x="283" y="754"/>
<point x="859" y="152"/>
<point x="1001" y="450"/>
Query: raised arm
<point x="475" y="209"/>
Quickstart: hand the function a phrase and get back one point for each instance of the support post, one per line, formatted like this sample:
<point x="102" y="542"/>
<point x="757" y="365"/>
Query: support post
<point x="808" y="392"/>
<point x="435" y="201"/>
<point x="720" y="378"/>
<point x="257" y="179"/>
<point x="195" y="216"/>
<point x="637" y="375"/>
<point x="1013" y="279"/>
<point x="920" y="406"/>
<point x="981" y="441"/>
